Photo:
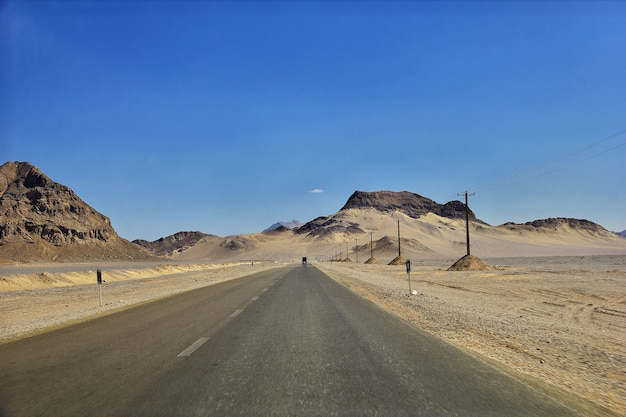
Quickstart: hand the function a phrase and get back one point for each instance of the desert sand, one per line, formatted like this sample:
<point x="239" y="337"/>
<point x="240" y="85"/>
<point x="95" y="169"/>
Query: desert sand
<point x="429" y="237"/>
<point x="62" y="294"/>
<point x="559" y="320"/>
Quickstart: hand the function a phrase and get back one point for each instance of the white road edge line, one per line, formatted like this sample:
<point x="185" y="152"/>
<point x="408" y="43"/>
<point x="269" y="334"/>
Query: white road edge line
<point x="236" y="313"/>
<point x="256" y="297"/>
<point x="195" y="345"/>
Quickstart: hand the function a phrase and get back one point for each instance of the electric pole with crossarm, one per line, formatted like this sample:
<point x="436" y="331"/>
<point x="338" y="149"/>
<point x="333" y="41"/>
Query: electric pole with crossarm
<point x="466" y="220"/>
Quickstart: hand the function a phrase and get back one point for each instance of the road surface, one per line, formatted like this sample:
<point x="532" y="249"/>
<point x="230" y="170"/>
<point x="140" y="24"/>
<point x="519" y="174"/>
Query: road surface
<point x="284" y="342"/>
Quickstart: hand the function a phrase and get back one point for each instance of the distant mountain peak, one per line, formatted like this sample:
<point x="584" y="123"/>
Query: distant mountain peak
<point x="287" y="225"/>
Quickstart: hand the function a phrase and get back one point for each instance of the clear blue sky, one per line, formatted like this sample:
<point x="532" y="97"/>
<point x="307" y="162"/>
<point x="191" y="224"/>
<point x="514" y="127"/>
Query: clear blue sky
<point x="226" y="117"/>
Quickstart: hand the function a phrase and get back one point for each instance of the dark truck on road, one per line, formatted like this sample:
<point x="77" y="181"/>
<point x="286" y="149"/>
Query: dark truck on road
<point x="304" y="260"/>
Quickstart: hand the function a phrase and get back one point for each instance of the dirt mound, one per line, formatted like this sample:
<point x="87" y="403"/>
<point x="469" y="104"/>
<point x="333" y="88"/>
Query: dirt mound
<point x="372" y="261"/>
<point x="398" y="260"/>
<point x="470" y="263"/>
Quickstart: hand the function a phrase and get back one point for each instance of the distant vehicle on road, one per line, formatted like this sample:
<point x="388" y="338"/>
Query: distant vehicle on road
<point x="304" y="260"/>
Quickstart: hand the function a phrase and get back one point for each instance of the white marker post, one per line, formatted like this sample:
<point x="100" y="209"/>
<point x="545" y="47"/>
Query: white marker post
<point x="408" y="273"/>
<point x="99" y="276"/>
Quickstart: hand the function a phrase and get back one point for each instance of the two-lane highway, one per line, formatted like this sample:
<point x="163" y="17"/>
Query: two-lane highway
<point x="289" y="341"/>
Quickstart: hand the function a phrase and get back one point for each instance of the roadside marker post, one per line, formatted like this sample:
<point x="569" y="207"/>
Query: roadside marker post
<point x="99" y="276"/>
<point x="408" y="273"/>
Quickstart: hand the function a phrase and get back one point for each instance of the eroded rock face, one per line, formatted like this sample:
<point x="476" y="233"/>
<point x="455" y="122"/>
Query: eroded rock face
<point x="33" y="207"/>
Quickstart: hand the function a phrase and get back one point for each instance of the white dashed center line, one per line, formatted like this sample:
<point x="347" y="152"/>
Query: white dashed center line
<point x="195" y="345"/>
<point x="236" y="313"/>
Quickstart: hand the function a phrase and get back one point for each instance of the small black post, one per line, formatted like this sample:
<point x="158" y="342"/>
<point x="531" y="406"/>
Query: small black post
<point x="99" y="278"/>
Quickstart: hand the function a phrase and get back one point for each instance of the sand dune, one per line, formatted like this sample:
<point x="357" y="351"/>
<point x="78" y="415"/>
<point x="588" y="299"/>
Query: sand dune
<point x="429" y="237"/>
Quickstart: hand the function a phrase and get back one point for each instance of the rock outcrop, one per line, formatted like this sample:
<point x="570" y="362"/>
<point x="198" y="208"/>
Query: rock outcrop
<point x="173" y="243"/>
<point x="327" y="226"/>
<point x="559" y="224"/>
<point x="411" y="204"/>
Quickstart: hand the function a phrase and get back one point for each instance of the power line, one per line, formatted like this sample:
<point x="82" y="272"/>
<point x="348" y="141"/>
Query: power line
<point x="540" y="169"/>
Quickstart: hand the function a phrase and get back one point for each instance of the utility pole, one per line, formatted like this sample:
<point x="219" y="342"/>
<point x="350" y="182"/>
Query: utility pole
<point x="399" y="254"/>
<point x="466" y="220"/>
<point x="371" y="244"/>
<point x="356" y="249"/>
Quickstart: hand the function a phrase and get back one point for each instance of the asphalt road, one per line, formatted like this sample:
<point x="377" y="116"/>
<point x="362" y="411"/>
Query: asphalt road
<point x="284" y="342"/>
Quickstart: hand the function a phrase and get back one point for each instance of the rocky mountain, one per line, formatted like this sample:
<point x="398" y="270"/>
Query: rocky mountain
<point x="43" y="220"/>
<point x="622" y="233"/>
<point x="173" y="243"/>
<point x="413" y="205"/>
<point x="287" y="225"/>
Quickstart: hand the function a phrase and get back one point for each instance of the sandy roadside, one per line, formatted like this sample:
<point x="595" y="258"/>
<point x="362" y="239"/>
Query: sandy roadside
<point x="560" y="320"/>
<point x="36" y="302"/>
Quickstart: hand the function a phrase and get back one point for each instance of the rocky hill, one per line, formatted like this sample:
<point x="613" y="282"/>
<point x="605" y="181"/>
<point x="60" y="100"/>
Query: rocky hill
<point x="43" y="220"/>
<point x="560" y="223"/>
<point x="173" y="243"/>
<point x="411" y="204"/>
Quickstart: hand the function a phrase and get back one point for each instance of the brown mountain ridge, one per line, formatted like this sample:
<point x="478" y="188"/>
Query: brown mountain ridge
<point x="43" y="220"/>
